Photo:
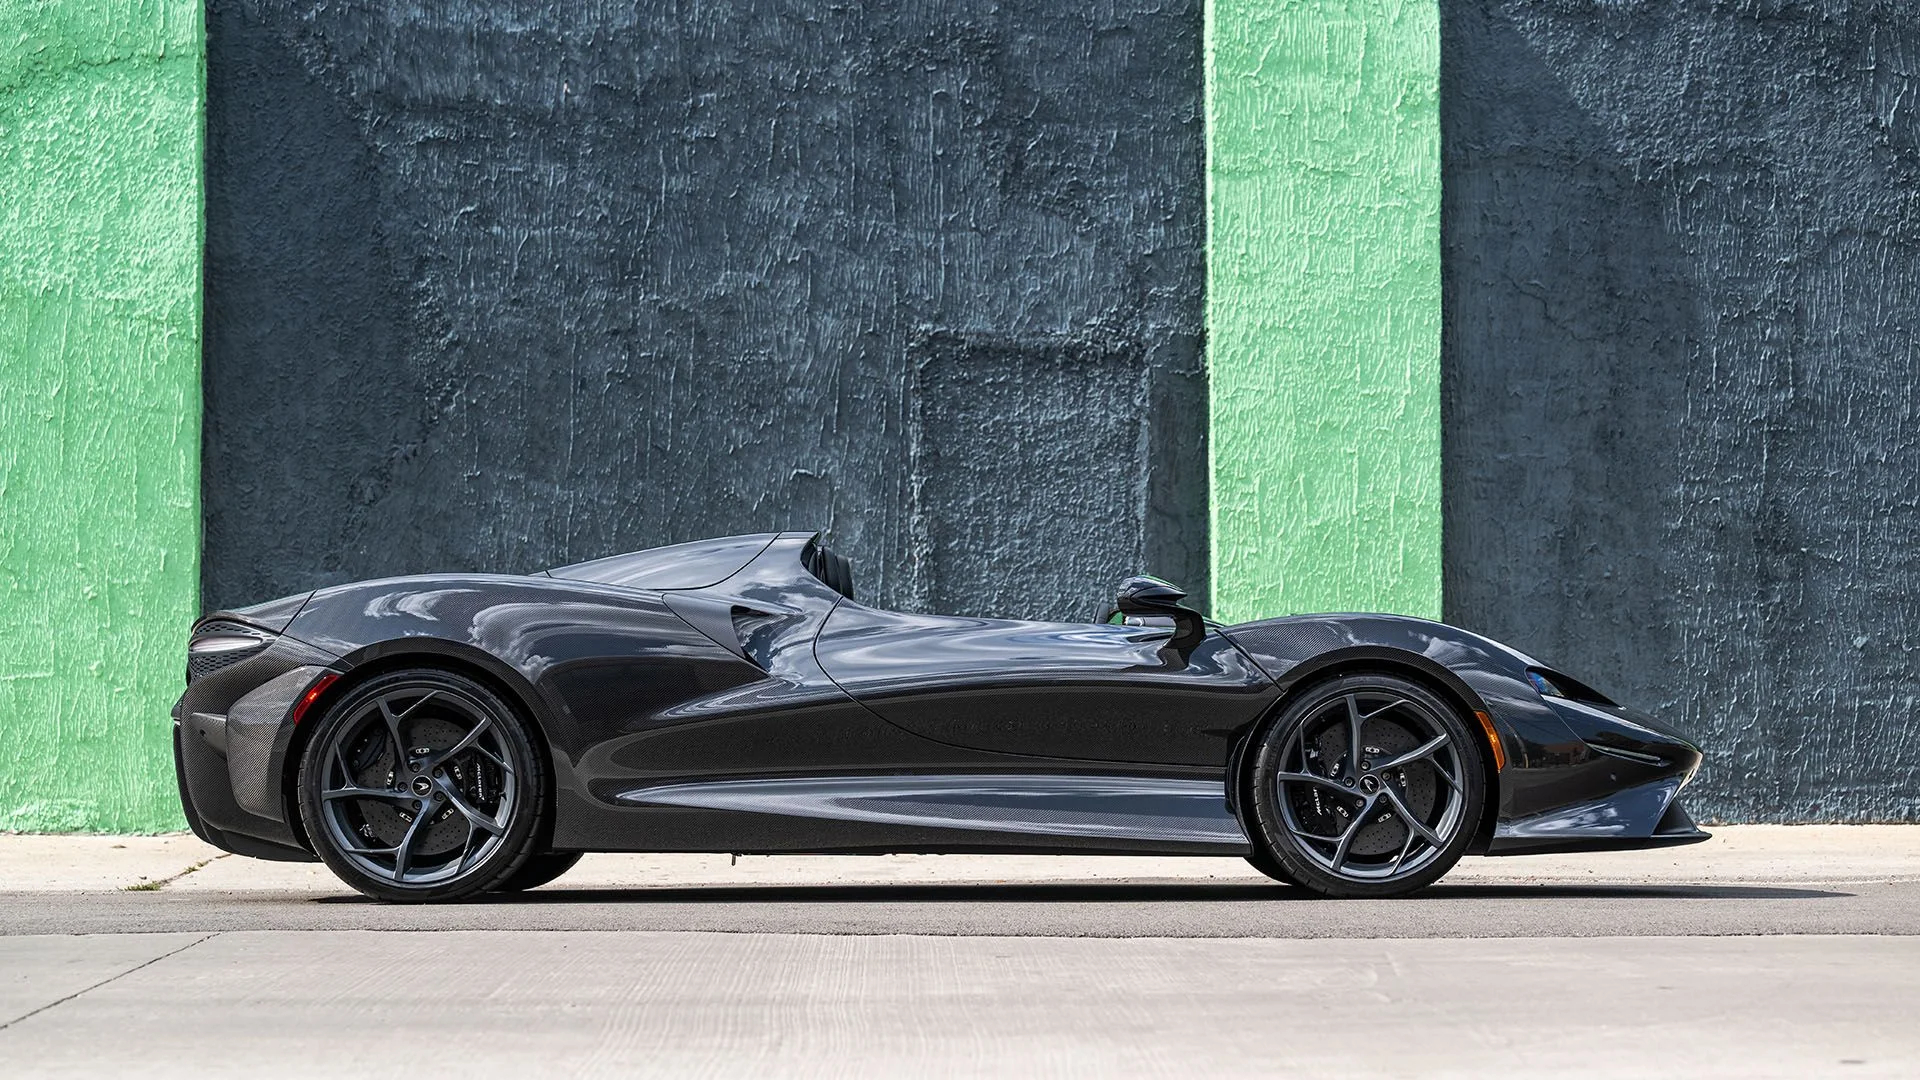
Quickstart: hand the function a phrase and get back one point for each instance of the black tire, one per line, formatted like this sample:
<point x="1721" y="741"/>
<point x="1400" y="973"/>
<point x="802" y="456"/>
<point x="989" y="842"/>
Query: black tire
<point x="1390" y="826"/>
<point x="544" y="867"/>
<point x="1268" y="865"/>
<point x="423" y="740"/>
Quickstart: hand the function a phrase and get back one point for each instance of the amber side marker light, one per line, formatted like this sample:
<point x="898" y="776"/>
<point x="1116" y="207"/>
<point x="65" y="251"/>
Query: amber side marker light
<point x="313" y="694"/>
<point x="1493" y="740"/>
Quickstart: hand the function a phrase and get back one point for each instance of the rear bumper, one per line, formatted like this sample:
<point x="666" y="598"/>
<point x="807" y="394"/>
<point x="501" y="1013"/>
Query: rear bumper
<point x="207" y="799"/>
<point x="231" y="736"/>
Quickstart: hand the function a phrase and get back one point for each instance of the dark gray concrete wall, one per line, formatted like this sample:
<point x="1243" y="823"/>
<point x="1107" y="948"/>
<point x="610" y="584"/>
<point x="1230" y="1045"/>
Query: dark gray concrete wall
<point x="500" y="286"/>
<point x="1681" y="409"/>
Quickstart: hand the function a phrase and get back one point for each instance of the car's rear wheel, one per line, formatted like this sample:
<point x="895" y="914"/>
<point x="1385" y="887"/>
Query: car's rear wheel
<point x="422" y="785"/>
<point x="544" y="867"/>
<point x="1368" y="785"/>
<point x="1268" y="865"/>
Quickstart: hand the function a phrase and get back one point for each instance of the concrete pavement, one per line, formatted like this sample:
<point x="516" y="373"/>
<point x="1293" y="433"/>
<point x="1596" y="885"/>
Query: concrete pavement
<point x="1765" y="952"/>
<point x="1115" y="908"/>
<point x="465" y="1004"/>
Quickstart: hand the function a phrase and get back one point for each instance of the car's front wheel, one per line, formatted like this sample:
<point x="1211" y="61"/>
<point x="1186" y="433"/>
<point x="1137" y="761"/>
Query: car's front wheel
<point x="1368" y="785"/>
<point x="422" y="785"/>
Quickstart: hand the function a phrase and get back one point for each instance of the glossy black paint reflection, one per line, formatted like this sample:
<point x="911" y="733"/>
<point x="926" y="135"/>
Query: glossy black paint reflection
<point x="1069" y="690"/>
<point x="767" y="692"/>
<point x="678" y="566"/>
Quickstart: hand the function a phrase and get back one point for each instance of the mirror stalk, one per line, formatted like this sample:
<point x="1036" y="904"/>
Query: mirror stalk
<point x="1152" y="596"/>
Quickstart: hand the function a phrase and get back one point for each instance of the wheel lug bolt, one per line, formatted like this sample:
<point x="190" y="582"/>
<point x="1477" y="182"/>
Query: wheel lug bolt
<point x="416" y="804"/>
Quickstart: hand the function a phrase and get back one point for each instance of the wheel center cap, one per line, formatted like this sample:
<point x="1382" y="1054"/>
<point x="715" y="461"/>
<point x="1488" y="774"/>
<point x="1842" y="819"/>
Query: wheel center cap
<point x="422" y="786"/>
<point x="1369" y="783"/>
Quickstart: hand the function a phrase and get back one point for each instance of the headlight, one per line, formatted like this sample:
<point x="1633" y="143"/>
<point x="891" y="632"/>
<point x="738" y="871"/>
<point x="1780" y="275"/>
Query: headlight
<point x="1552" y="684"/>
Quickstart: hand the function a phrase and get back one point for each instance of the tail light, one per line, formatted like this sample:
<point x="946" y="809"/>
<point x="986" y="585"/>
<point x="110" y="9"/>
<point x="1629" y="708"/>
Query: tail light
<point x="217" y="645"/>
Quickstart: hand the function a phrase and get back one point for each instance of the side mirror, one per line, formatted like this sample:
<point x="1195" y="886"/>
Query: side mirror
<point x="1151" y="596"/>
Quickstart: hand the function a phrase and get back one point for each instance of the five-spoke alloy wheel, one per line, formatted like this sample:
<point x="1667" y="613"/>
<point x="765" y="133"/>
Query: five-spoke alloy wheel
<point x="423" y="785"/>
<point x="1368" y="785"/>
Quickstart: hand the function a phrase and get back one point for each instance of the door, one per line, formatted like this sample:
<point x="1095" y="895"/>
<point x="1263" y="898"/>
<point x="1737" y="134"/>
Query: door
<point x="1070" y="690"/>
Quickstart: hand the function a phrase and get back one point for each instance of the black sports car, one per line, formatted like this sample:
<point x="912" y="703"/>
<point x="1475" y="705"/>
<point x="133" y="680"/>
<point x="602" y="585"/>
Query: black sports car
<point x="436" y="737"/>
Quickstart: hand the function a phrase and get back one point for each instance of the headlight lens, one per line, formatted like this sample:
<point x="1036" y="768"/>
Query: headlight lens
<point x="1552" y="684"/>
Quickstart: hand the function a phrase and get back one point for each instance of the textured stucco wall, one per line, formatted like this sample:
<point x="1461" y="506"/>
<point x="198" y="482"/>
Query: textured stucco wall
<point x="502" y="288"/>
<point x="100" y="125"/>
<point x="1682" y="412"/>
<point x="1323" y="305"/>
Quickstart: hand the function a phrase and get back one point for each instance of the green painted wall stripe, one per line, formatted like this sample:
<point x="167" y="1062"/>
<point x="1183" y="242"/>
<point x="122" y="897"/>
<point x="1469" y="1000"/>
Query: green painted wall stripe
<point x="1323" y="305"/>
<point x="100" y="226"/>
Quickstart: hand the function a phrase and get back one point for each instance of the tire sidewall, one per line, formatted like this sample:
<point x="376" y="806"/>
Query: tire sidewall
<point x="531" y="797"/>
<point x="544" y="867"/>
<point x="1279" y="844"/>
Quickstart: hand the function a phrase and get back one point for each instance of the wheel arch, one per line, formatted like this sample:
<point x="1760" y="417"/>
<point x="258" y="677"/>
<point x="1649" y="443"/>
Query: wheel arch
<point x="371" y="662"/>
<point x="1356" y="661"/>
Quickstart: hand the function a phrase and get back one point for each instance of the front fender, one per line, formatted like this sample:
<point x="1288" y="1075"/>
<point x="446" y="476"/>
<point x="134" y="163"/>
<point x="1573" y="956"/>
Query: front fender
<point x="1551" y="769"/>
